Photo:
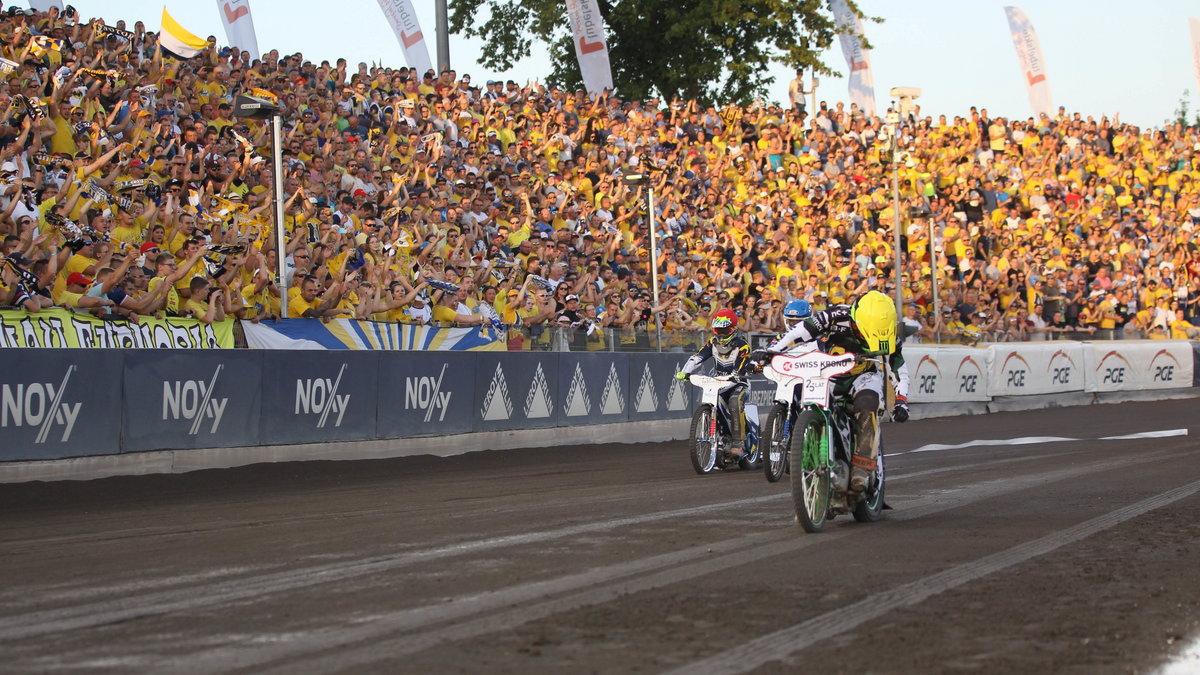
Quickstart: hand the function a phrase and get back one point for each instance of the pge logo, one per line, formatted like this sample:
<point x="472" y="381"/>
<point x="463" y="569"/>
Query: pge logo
<point x="1113" y="369"/>
<point x="927" y="384"/>
<point x="1163" y="366"/>
<point x="1015" y="375"/>
<point x="968" y="382"/>
<point x="1061" y="368"/>
<point x="927" y="373"/>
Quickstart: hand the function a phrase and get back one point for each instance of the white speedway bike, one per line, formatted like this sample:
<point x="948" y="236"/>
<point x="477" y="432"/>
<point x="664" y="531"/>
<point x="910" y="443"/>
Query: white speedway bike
<point x="810" y="434"/>
<point x="709" y="444"/>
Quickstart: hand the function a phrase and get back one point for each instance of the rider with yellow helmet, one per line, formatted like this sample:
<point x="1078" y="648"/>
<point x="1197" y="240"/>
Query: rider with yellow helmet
<point x="867" y="327"/>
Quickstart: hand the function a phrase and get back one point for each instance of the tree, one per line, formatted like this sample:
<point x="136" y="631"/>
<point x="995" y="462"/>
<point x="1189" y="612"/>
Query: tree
<point x="1181" y="113"/>
<point x="709" y="50"/>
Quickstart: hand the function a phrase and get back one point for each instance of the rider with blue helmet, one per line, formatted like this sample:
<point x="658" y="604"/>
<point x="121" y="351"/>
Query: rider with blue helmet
<point x="794" y="312"/>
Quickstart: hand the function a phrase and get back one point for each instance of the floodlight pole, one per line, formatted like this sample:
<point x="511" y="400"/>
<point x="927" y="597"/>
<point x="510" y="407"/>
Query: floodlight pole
<point x="443" y="37"/>
<point x="280" y="239"/>
<point x="894" y="119"/>
<point x="653" y="249"/>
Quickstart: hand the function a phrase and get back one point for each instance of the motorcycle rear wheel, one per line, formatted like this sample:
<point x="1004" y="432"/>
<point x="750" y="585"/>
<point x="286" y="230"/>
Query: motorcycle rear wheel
<point x="702" y="447"/>
<point x="774" y="450"/>
<point x="810" y="472"/>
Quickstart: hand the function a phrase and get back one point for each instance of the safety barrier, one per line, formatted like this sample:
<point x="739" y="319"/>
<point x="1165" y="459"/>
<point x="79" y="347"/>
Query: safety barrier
<point x="57" y="403"/>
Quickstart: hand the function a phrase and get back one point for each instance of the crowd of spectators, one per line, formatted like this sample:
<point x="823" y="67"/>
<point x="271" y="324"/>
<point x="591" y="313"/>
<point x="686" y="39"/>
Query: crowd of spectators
<point x="131" y="189"/>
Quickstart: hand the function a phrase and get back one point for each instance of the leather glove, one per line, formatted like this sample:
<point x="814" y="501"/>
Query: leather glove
<point x="900" y="412"/>
<point x="681" y="376"/>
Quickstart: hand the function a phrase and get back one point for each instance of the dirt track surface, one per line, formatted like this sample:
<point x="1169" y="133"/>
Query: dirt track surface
<point x="1064" y="557"/>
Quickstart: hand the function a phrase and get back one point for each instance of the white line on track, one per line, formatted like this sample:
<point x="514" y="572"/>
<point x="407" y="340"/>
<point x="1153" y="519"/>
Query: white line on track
<point x="1187" y="662"/>
<point x="466" y="617"/>
<point x="780" y="644"/>
<point x="1035" y="440"/>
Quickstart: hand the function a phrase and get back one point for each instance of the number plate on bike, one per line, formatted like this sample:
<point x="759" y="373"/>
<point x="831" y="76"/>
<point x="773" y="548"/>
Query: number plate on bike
<point x="815" y="391"/>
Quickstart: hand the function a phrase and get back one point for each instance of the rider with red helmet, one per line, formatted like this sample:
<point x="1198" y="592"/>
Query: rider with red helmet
<point x="731" y="356"/>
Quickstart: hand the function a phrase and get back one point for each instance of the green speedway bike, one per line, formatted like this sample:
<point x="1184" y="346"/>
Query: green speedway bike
<point x="815" y="433"/>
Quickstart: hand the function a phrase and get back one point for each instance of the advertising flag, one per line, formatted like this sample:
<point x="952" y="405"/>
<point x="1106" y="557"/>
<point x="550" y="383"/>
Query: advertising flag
<point x="177" y="40"/>
<point x="239" y="26"/>
<point x="858" y="58"/>
<point x="590" y="47"/>
<point x="1194" y="23"/>
<point x="1033" y="62"/>
<point x="403" y="19"/>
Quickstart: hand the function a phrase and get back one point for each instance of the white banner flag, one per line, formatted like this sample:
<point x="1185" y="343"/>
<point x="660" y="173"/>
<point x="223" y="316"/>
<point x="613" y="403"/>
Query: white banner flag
<point x="590" y="47"/>
<point x="858" y="59"/>
<point x="1033" y="62"/>
<point x="1194" y="23"/>
<point x="239" y="26"/>
<point x="45" y="5"/>
<point x="407" y="28"/>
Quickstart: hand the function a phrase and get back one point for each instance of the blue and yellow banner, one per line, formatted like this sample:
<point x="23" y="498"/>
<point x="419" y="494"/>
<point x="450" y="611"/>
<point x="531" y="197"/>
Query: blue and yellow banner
<point x="58" y="327"/>
<point x="353" y="334"/>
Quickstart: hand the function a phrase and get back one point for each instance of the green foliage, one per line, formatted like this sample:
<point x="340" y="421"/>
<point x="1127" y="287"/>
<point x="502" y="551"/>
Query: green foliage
<point x="1181" y="113"/>
<point x="709" y="50"/>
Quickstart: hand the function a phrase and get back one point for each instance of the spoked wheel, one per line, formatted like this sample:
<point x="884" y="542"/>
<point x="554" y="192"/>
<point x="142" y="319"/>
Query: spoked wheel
<point x="811" y="486"/>
<point x="702" y="441"/>
<point x="870" y="507"/>
<point x="775" y="451"/>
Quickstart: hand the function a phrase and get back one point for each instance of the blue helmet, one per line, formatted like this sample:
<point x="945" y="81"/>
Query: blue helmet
<point x="796" y="311"/>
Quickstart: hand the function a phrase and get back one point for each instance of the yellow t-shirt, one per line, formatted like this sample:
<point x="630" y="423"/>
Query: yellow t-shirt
<point x="444" y="314"/>
<point x="172" y="304"/>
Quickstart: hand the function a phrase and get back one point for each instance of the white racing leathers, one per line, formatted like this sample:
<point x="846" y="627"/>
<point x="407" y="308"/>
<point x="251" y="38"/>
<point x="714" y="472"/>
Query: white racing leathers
<point x="864" y="385"/>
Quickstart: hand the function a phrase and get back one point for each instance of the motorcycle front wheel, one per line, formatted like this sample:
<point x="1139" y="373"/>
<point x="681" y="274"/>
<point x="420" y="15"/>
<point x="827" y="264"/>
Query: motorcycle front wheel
<point x="701" y="443"/>
<point x="811" y="485"/>
<point x="774" y="450"/>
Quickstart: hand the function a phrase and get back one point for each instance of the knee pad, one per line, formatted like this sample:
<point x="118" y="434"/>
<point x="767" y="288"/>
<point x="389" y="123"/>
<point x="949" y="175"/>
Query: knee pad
<point x="866" y="401"/>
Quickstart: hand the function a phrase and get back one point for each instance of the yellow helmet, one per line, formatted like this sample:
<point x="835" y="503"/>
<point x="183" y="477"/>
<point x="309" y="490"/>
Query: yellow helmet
<point x="874" y="317"/>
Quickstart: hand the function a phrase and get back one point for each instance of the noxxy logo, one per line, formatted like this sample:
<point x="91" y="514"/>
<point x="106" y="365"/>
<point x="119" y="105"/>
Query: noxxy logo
<point x="193" y="400"/>
<point x="39" y="404"/>
<point x="425" y="393"/>
<point x="320" y="395"/>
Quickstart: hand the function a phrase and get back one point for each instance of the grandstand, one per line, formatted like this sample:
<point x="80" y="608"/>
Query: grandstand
<point x="428" y="197"/>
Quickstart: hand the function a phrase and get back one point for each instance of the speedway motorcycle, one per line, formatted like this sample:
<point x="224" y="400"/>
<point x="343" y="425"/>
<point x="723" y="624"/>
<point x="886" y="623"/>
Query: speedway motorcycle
<point x="810" y="434"/>
<point x="709" y="443"/>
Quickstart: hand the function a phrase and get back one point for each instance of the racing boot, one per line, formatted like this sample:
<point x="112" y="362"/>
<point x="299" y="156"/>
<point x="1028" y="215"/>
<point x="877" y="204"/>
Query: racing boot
<point x="864" y="461"/>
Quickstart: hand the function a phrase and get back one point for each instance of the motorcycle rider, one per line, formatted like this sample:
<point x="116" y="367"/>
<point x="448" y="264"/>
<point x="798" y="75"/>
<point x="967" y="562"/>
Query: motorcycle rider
<point x="867" y="327"/>
<point x="731" y="356"/>
<point x="794" y="312"/>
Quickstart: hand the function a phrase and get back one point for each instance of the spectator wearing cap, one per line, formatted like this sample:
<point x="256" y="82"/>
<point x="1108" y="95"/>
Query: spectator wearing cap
<point x="73" y="296"/>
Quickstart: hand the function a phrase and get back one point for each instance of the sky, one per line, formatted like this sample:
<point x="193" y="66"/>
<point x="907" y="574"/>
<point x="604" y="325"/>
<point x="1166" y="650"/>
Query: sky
<point x="1103" y="57"/>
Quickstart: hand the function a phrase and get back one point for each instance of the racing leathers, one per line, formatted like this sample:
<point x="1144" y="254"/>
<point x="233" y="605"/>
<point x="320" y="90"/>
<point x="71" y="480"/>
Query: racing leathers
<point x="730" y="357"/>
<point x="863" y="385"/>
